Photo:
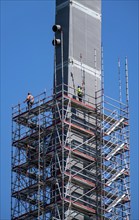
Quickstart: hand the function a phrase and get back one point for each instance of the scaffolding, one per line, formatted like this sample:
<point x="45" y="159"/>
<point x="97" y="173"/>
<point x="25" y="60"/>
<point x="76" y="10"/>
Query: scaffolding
<point x="70" y="159"/>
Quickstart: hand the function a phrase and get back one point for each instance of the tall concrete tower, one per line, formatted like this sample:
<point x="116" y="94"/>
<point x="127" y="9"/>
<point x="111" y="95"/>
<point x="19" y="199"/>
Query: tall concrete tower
<point x="80" y="23"/>
<point x="70" y="151"/>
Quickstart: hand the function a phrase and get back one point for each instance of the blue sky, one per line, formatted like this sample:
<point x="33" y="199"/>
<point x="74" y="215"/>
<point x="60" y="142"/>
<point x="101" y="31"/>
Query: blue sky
<point x="27" y="65"/>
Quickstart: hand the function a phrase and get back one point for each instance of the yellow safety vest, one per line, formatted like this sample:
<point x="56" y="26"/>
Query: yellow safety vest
<point x="79" y="91"/>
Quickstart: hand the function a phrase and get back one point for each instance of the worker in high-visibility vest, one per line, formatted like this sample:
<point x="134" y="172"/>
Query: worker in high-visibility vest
<point x="29" y="100"/>
<point x="80" y="93"/>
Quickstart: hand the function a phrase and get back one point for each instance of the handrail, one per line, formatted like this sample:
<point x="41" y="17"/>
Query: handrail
<point x="48" y="95"/>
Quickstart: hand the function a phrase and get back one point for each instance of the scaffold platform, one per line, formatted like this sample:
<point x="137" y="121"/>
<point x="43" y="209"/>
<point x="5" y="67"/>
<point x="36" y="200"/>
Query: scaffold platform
<point x="71" y="154"/>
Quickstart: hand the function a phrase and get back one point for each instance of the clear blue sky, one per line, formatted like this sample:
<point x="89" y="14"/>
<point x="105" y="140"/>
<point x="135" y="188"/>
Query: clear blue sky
<point x="27" y="65"/>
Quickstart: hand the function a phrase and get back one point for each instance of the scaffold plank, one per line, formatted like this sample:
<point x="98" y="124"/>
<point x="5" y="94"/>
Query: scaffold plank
<point x="28" y="215"/>
<point x="30" y="189"/>
<point x="81" y="105"/>
<point x="80" y="180"/>
<point x="82" y="208"/>
<point x="28" y="199"/>
<point x="23" y="167"/>
<point x="115" y="202"/>
<point x="34" y="111"/>
<point x="80" y="154"/>
<point x="49" y="180"/>
<point x="34" y="135"/>
<point x="25" y="171"/>
<point x="80" y="129"/>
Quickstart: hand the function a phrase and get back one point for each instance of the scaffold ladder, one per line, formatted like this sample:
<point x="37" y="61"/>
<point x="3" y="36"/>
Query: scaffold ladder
<point x="114" y="126"/>
<point x="114" y="177"/>
<point x="115" y="202"/>
<point x="114" y="151"/>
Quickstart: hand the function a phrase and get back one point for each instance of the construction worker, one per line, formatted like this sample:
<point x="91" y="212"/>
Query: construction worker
<point x="29" y="100"/>
<point x="80" y="93"/>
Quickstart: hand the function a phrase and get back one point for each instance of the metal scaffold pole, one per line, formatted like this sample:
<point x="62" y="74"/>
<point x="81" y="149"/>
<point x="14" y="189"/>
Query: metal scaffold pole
<point x="39" y="161"/>
<point x="120" y="83"/>
<point x="63" y="169"/>
<point x="102" y="134"/>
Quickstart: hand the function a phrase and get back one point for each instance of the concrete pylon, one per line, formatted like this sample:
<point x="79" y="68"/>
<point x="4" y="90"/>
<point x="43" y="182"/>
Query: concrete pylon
<point x="80" y="22"/>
